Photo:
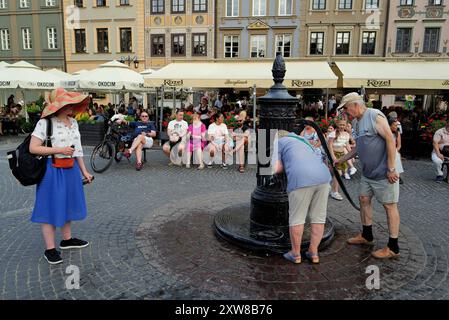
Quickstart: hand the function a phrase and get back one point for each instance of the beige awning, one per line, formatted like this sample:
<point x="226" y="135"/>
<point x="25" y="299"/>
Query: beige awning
<point x="395" y="75"/>
<point x="300" y="75"/>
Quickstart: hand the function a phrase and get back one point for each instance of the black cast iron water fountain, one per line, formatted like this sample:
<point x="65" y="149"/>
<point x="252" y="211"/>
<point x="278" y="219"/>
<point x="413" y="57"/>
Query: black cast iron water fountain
<point x="262" y="225"/>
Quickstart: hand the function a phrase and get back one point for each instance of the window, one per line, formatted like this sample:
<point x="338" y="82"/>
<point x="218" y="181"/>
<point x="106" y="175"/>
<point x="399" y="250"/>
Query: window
<point x="5" y="39"/>
<point x="345" y="4"/>
<point x="319" y="5"/>
<point x="343" y="40"/>
<point x="285" y="7"/>
<point x="199" y="5"/>
<point x="259" y="7"/>
<point x="157" y="6"/>
<point x="79" y="3"/>
<point x="371" y="4"/>
<point x="369" y="42"/>
<point x="403" y="40"/>
<point x="3" y="4"/>
<point x="406" y="2"/>
<point x="316" y="43"/>
<point x="231" y="46"/>
<point x="199" y="44"/>
<point x="50" y="3"/>
<point x="124" y="2"/>
<point x="258" y="46"/>
<point x="431" y="40"/>
<point x="52" y="39"/>
<point x="232" y="8"/>
<point x="102" y="40"/>
<point x="158" y="45"/>
<point x="435" y="2"/>
<point x="284" y="45"/>
<point x="178" y="45"/>
<point x="24" y="3"/>
<point x="26" y="39"/>
<point x="80" y="41"/>
<point x="177" y="6"/>
<point x="101" y="3"/>
<point x="126" y="40"/>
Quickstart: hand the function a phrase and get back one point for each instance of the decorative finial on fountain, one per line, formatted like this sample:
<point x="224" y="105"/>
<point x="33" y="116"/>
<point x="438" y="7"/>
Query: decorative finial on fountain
<point x="278" y="70"/>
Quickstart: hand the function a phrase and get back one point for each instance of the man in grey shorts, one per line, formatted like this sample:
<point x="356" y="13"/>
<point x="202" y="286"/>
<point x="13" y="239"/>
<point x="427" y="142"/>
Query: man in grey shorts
<point x="308" y="180"/>
<point x="376" y="149"/>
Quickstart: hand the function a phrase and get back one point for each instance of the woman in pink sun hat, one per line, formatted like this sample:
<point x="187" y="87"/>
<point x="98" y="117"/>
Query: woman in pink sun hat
<point x="60" y="195"/>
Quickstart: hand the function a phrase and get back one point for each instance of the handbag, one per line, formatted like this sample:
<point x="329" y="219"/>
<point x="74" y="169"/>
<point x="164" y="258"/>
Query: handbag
<point x="63" y="163"/>
<point x="445" y="151"/>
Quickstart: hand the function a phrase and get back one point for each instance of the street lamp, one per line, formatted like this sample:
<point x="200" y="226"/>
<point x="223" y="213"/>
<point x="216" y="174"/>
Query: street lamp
<point x="128" y="59"/>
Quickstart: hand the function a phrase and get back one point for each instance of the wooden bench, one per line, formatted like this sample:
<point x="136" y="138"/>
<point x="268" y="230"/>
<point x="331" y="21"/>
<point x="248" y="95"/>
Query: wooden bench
<point x="445" y="164"/>
<point x="161" y="136"/>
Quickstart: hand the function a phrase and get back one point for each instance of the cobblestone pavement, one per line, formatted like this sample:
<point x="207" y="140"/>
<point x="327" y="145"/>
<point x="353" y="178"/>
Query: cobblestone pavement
<point x="152" y="238"/>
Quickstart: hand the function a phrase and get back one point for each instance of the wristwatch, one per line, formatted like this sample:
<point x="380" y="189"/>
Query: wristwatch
<point x="391" y="170"/>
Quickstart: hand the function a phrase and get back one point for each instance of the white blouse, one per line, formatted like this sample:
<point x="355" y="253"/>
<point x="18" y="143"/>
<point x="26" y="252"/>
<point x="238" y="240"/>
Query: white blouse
<point x="62" y="135"/>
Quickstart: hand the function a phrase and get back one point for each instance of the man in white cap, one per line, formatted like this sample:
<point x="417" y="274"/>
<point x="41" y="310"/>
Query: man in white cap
<point x="376" y="149"/>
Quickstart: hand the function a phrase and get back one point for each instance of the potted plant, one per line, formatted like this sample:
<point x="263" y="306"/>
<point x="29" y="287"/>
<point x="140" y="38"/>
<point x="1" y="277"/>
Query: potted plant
<point x="92" y="132"/>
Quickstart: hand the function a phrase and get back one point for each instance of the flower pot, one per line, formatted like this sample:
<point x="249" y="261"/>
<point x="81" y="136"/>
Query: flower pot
<point x="91" y="134"/>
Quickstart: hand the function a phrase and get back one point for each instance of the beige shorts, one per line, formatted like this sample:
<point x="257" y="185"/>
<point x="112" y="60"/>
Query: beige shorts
<point x="308" y="202"/>
<point x="149" y="143"/>
<point x="384" y="191"/>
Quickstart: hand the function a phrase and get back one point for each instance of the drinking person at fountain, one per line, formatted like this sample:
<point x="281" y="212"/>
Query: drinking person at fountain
<point x="308" y="180"/>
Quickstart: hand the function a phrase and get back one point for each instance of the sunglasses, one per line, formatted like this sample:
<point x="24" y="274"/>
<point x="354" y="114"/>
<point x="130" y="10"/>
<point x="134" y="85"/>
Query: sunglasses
<point x="144" y="116"/>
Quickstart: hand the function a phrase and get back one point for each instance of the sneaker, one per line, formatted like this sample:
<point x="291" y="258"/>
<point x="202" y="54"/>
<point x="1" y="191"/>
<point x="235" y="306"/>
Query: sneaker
<point x="209" y="165"/>
<point x="347" y="176"/>
<point x="188" y="166"/>
<point x="73" y="243"/>
<point x="439" y="179"/>
<point x="139" y="166"/>
<point x="352" y="171"/>
<point x="225" y="166"/>
<point x="53" y="256"/>
<point x="336" y="196"/>
<point x="201" y="167"/>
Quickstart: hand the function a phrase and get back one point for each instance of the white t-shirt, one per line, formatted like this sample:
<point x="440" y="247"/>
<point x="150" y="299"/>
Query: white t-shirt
<point x="218" y="131"/>
<point x="118" y="116"/>
<point x="342" y="141"/>
<point x="62" y="136"/>
<point x="178" y="127"/>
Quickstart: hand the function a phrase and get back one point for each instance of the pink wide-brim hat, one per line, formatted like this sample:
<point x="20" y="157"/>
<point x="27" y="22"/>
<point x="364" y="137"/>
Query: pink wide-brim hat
<point x="60" y="98"/>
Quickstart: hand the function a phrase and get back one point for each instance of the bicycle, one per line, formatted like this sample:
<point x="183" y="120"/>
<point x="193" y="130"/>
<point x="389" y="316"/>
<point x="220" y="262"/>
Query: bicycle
<point x="117" y="138"/>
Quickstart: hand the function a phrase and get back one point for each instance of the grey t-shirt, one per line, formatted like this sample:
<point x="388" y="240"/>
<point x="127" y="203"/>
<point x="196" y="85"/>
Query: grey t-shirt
<point x="371" y="147"/>
<point x="302" y="165"/>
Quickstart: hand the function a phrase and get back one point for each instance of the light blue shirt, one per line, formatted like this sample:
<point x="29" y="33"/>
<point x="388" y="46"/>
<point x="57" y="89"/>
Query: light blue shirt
<point x="302" y="165"/>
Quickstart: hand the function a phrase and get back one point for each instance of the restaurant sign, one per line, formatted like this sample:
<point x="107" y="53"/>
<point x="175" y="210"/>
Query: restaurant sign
<point x="378" y="83"/>
<point x="302" y="83"/>
<point x="173" y="83"/>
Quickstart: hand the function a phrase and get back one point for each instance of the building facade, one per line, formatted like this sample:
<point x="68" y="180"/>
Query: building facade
<point x="98" y="31"/>
<point x="178" y="30"/>
<point x="257" y="29"/>
<point x="353" y="29"/>
<point x="32" y="31"/>
<point x="418" y="29"/>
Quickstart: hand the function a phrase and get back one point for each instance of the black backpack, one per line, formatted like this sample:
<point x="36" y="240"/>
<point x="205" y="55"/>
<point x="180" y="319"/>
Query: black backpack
<point x="28" y="168"/>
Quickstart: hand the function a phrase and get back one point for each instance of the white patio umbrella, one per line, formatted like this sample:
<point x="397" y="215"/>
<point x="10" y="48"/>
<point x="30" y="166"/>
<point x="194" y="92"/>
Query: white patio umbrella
<point x="147" y="72"/>
<point x="2" y="97"/>
<point x="66" y="79"/>
<point x="25" y="76"/>
<point x="111" y="77"/>
<point x="3" y="64"/>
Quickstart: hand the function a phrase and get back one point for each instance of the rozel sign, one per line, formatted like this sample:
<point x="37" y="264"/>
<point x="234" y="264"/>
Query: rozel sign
<point x="173" y="83"/>
<point x="378" y="83"/>
<point x="302" y="83"/>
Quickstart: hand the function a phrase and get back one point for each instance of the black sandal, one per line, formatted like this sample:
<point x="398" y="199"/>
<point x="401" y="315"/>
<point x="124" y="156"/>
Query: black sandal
<point x="242" y="169"/>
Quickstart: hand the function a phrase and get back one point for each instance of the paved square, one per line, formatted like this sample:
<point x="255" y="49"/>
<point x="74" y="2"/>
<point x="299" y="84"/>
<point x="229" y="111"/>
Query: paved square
<point x="151" y="237"/>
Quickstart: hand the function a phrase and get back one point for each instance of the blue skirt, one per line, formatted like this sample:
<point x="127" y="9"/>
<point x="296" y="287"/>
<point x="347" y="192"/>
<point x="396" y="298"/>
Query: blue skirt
<point x="60" y="196"/>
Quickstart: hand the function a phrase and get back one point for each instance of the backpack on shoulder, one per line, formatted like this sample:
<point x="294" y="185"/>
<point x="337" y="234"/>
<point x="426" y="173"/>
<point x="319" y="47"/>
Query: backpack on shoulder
<point x="29" y="169"/>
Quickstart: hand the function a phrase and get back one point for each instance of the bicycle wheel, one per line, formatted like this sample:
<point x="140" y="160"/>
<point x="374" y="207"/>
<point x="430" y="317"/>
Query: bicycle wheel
<point x="102" y="156"/>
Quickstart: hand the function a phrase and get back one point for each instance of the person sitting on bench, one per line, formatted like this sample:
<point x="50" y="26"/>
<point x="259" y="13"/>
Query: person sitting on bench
<point x="144" y="132"/>
<point x="440" y="150"/>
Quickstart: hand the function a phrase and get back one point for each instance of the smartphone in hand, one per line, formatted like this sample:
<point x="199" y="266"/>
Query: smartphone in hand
<point x="85" y="181"/>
